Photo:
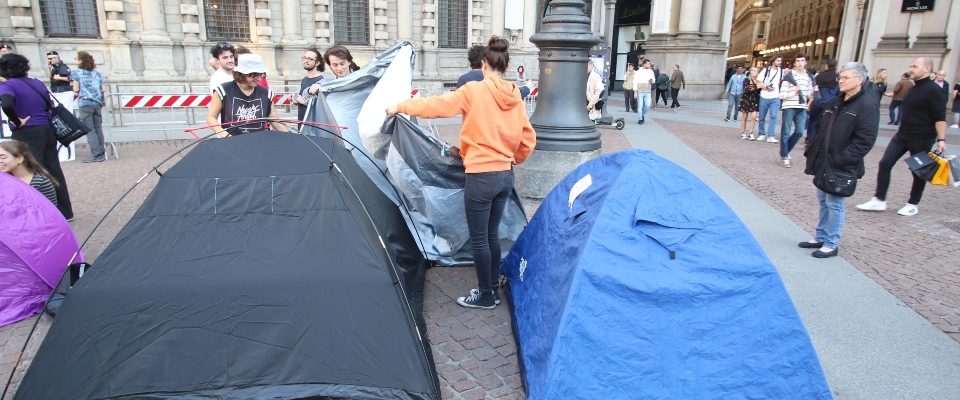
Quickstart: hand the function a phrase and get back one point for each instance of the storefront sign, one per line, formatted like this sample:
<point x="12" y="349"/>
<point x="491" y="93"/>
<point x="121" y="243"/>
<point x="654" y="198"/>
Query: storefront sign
<point x="634" y="13"/>
<point x="917" y="5"/>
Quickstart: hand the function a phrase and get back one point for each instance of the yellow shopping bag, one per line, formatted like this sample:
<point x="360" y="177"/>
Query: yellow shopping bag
<point x="942" y="177"/>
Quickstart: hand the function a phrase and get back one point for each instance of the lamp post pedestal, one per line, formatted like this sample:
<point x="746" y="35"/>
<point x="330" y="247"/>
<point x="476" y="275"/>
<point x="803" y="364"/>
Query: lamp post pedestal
<point x="566" y="137"/>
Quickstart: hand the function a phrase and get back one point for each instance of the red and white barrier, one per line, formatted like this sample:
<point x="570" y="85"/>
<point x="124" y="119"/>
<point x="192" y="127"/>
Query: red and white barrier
<point x="184" y="100"/>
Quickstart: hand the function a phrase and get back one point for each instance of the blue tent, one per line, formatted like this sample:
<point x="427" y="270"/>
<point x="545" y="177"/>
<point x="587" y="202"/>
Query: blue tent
<point x="634" y="280"/>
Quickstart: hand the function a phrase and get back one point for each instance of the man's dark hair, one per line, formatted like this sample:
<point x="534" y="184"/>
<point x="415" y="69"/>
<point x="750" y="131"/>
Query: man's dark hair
<point x="14" y="66"/>
<point x="832" y="63"/>
<point x="799" y="56"/>
<point x="221" y="47"/>
<point x="496" y="54"/>
<point x="317" y="54"/>
<point x="338" y="51"/>
<point x="475" y="56"/>
<point x="906" y="75"/>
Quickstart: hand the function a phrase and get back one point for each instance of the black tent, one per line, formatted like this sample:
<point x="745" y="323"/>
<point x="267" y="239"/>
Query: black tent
<point x="266" y="265"/>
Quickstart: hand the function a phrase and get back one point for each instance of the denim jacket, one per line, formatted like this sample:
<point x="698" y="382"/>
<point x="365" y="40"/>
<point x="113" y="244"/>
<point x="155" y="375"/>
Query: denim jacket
<point x="735" y="86"/>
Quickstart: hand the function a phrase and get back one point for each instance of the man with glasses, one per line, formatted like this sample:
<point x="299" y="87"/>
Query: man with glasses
<point x="313" y="64"/>
<point x="223" y="54"/>
<point x="59" y="73"/>
<point x="847" y="131"/>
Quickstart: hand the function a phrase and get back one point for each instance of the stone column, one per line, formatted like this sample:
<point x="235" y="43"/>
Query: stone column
<point x="21" y="18"/>
<point x="933" y="32"/>
<point x="529" y="23"/>
<point x="478" y="28"/>
<point x="431" y="69"/>
<point x="262" y="15"/>
<point x="690" y="11"/>
<point x="710" y="19"/>
<point x="498" y="12"/>
<point x="380" y="21"/>
<point x="195" y="58"/>
<point x="404" y="21"/>
<point x="895" y="35"/>
<point x="322" y="15"/>
<point x="117" y="40"/>
<point x="157" y="47"/>
<point x="291" y="23"/>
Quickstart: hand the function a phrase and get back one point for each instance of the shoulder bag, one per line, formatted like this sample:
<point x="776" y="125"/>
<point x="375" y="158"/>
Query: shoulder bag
<point x="66" y="125"/>
<point x="830" y="179"/>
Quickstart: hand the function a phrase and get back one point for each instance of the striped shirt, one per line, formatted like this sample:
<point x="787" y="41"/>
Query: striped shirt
<point x="45" y="187"/>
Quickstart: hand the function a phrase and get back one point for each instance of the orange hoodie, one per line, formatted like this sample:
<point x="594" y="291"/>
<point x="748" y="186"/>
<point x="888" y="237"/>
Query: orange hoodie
<point x="496" y="132"/>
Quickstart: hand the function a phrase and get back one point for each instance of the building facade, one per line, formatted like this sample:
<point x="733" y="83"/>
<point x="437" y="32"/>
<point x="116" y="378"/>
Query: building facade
<point x="810" y="27"/>
<point x="892" y="33"/>
<point x="750" y="32"/>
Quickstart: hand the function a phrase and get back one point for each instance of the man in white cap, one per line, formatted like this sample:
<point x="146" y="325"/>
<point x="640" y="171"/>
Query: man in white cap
<point x="243" y="100"/>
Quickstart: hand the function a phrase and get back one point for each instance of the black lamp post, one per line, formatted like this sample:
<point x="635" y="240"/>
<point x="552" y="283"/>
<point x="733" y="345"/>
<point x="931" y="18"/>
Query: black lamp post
<point x="560" y="118"/>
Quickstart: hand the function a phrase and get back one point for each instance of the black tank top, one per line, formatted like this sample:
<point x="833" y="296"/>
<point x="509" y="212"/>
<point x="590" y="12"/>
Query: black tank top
<point x="237" y="106"/>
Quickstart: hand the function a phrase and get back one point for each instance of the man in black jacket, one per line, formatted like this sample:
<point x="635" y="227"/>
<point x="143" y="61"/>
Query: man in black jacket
<point x="826" y="88"/>
<point x="924" y="125"/>
<point x="847" y="131"/>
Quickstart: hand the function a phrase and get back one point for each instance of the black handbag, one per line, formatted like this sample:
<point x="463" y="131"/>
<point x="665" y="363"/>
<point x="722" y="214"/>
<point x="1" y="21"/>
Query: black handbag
<point x="922" y="165"/>
<point x="833" y="180"/>
<point x="66" y="125"/>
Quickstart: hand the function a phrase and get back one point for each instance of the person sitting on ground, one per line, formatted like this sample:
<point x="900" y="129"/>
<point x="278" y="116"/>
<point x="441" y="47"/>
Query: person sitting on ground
<point x="16" y="160"/>
<point x="243" y="99"/>
<point x="224" y="58"/>
<point x="475" y="57"/>
<point x="495" y="136"/>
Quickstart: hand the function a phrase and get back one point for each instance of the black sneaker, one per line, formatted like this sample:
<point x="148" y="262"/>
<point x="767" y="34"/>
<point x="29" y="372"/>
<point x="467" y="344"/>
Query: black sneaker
<point x="727" y="119"/>
<point x="93" y="159"/>
<point x="640" y="122"/>
<point x="496" y="296"/>
<point x="477" y="300"/>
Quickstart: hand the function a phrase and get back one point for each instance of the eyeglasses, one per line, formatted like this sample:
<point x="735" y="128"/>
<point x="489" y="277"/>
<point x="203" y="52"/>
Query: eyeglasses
<point x="308" y="59"/>
<point x="224" y="45"/>
<point x="254" y="75"/>
<point x="842" y="78"/>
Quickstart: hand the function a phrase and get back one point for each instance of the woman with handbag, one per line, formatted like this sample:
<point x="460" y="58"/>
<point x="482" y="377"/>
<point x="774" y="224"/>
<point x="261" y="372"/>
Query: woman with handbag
<point x="88" y="82"/>
<point x="22" y="100"/>
<point x="846" y="132"/>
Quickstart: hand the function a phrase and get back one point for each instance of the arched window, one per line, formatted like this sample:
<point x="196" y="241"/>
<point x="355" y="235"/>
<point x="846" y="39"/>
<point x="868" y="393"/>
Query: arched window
<point x="70" y="18"/>
<point x="452" y="24"/>
<point x="226" y="19"/>
<point x="351" y="22"/>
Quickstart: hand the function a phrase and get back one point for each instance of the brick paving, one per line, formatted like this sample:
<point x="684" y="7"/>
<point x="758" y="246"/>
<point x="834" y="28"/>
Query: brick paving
<point x="914" y="258"/>
<point x="474" y="350"/>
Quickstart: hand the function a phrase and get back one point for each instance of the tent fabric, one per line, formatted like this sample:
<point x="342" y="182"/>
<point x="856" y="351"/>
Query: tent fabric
<point x="261" y="266"/>
<point x="636" y="278"/>
<point x="36" y="246"/>
<point x="402" y="159"/>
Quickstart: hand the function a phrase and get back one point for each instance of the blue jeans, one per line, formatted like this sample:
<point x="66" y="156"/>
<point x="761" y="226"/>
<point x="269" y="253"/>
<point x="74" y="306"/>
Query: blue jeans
<point x="832" y="214"/>
<point x="797" y="117"/>
<point x="484" y="197"/>
<point x="733" y="104"/>
<point x="771" y="107"/>
<point x="895" y="111"/>
<point x="643" y="104"/>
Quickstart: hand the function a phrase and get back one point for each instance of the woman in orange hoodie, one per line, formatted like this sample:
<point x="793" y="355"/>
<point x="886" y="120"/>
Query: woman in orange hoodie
<point x="496" y="134"/>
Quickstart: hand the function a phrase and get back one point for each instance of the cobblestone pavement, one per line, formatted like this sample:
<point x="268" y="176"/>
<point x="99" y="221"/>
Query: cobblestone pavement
<point x="474" y="350"/>
<point x="914" y="258"/>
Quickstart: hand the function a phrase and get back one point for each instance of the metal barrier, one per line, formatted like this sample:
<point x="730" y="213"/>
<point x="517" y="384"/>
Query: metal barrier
<point x="162" y="112"/>
<point x="531" y="101"/>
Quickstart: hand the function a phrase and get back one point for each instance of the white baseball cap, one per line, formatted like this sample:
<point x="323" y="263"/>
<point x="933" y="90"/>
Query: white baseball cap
<point x="250" y="63"/>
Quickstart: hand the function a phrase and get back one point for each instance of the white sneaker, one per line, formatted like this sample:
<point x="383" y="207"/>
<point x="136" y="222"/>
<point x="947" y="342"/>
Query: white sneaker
<point x="771" y="139"/>
<point x="954" y="126"/>
<point x="908" y="210"/>
<point x="874" y="204"/>
<point x="743" y="135"/>
<point x="751" y="137"/>
<point x="761" y="138"/>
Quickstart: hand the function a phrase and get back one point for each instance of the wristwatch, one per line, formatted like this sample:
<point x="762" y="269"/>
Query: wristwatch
<point x="941" y="140"/>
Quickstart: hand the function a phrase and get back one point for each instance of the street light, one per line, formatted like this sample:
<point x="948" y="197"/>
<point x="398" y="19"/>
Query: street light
<point x="819" y="41"/>
<point x="793" y="46"/>
<point x="800" y="45"/>
<point x="809" y="43"/>
<point x="829" y="39"/>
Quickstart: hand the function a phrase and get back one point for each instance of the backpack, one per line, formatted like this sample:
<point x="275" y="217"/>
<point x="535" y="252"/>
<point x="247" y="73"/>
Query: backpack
<point x="789" y="78"/>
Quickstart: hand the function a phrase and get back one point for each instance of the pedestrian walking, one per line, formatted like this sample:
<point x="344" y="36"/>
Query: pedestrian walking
<point x="59" y="73"/>
<point x="24" y="101"/>
<point x="848" y="130"/>
<point x="642" y="82"/>
<point x="676" y="83"/>
<point x="663" y="86"/>
<point x="796" y="96"/>
<point x="17" y="160"/>
<point x="879" y="85"/>
<point x="89" y="85"/>
<point x="495" y="135"/>
<point x="942" y="83"/>
<point x="750" y="104"/>
<point x="770" y="78"/>
<point x="826" y="88"/>
<point x="594" y="91"/>
<point x="734" y="93"/>
<point x="628" y="100"/>
<point x="900" y="91"/>
<point x="924" y="125"/>
<point x="956" y="106"/>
